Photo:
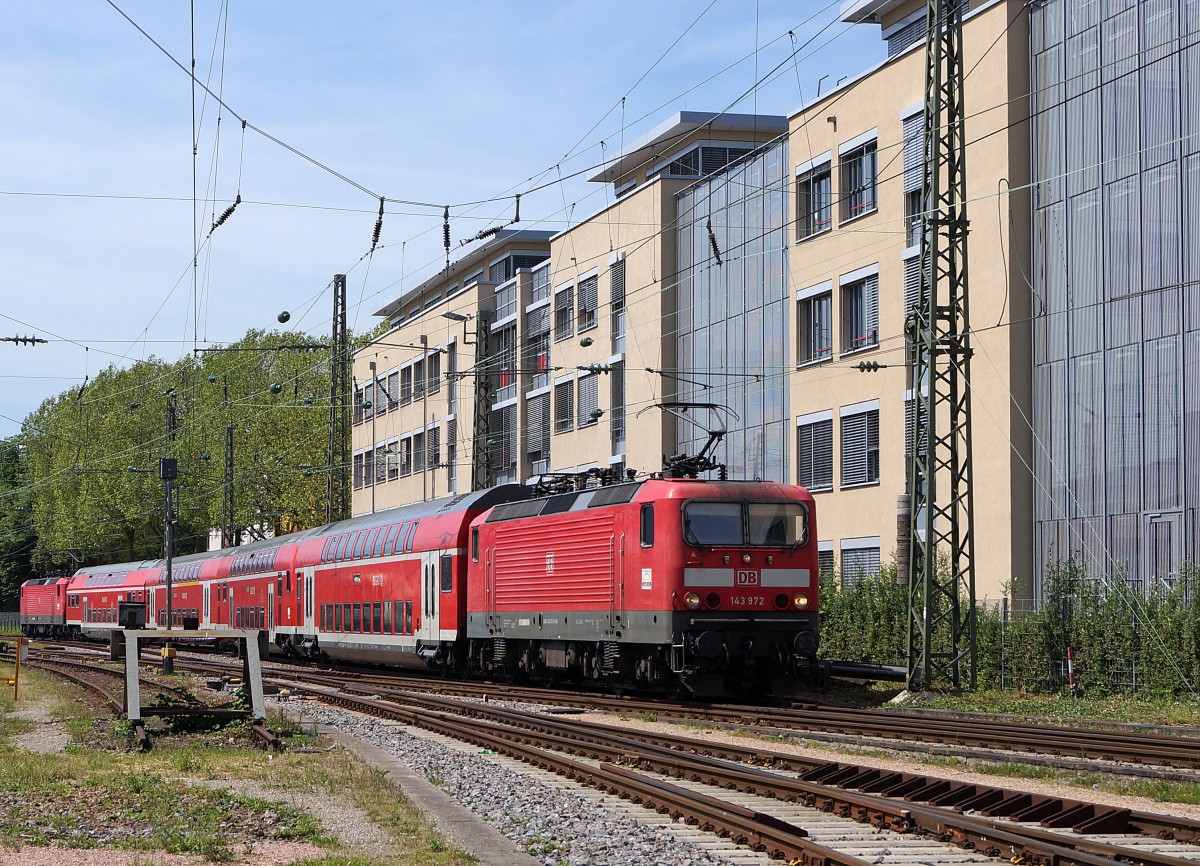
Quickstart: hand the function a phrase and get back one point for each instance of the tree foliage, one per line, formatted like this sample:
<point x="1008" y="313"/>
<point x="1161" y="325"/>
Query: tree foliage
<point x="91" y="455"/>
<point x="17" y="538"/>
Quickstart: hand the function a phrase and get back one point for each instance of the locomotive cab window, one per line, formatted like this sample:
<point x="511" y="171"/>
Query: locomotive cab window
<point x="713" y="524"/>
<point x="777" y="524"/>
<point x="647" y="526"/>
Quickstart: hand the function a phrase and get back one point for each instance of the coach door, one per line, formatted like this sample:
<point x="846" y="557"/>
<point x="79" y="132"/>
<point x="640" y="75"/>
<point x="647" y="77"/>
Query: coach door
<point x="305" y="577"/>
<point x="152" y="611"/>
<point x="271" y="606"/>
<point x="431" y="629"/>
<point x="206" y="596"/>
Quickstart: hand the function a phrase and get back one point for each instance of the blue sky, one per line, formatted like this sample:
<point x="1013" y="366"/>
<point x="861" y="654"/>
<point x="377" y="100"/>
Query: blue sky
<point x="452" y="103"/>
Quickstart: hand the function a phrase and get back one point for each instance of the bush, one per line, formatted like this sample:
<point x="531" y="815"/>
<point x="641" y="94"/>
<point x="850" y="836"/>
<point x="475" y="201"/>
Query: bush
<point x="1120" y="639"/>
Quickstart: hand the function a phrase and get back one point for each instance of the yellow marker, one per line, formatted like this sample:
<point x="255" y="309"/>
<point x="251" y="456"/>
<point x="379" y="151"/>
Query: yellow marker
<point x="168" y="652"/>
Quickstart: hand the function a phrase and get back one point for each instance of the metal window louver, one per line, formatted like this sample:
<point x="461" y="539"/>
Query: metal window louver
<point x="588" y="400"/>
<point x="860" y="448"/>
<point x="814" y="461"/>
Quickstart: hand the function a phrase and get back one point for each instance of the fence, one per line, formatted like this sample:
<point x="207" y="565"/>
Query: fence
<point x="9" y="622"/>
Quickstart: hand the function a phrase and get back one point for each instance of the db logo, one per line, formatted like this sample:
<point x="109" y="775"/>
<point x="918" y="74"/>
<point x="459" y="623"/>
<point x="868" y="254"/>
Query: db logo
<point x="746" y="577"/>
<point x="549" y="563"/>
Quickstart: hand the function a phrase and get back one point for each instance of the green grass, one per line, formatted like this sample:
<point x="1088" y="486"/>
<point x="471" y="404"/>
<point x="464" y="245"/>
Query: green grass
<point x="1118" y="708"/>
<point x="99" y="781"/>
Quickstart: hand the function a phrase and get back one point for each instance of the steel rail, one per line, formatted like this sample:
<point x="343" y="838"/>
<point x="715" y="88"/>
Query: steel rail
<point x="1002" y="839"/>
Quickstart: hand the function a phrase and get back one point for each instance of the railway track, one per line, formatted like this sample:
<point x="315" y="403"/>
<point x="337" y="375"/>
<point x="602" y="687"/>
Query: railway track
<point x="787" y="807"/>
<point x="1137" y="752"/>
<point x="659" y="771"/>
<point x="1042" y="744"/>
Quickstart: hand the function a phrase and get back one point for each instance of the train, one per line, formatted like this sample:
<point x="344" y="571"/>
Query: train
<point x="701" y="587"/>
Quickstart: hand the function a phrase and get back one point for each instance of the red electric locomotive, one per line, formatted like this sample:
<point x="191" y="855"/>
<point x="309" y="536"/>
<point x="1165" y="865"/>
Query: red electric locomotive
<point x="711" y="585"/>
<point x="43" y="607"/>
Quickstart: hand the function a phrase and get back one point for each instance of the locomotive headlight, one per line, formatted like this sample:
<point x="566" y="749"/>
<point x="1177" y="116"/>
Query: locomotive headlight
<point x="692" y="600"/>
<point x="800" y="600"/>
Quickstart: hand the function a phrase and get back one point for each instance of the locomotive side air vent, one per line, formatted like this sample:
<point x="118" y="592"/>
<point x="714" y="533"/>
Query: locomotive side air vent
<point x="615" y="495"/>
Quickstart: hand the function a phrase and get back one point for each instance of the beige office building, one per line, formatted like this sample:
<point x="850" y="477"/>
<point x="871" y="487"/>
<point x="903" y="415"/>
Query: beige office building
<point x="752" y="263"/>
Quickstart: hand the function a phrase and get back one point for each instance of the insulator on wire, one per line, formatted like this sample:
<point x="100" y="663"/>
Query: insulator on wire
<point x="227" y="214"/>
<point x="712" y="239"/>
<point x="446" y="234"/>
<point x="378" y="227"/>
<point x="517" y="215"/>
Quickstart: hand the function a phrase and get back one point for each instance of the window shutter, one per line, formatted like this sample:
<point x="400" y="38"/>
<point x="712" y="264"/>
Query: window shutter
<point x="860" y="448"/>
<point x="564" y="406"/>
<point x="564" y="313"/>
<point x="434" y="445"/>
<point x="858" y="564"/>
<point x="914" y="151"/>
<point x="815" y="454"/>
<point x="588" y="400"/>
<point x="912" y="283"/>
<point x="616" y="277"/>
<point x="871" y="308"/>
<point x="588" y="301"/>
<point x="537" y="322"/>
<point x="616" y="406"/>
<point x="537" y="417"/>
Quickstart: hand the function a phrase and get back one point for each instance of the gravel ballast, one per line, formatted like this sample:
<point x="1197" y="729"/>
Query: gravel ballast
<point x="554" y="825"/>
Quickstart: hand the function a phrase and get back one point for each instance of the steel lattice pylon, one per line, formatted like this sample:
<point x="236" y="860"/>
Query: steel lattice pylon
<point x="941" y="635"/>
<point x="337" y="505"/>
<point x="482" y="476"/>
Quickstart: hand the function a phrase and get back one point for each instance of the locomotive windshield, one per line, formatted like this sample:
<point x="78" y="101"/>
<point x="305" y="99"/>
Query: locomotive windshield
<point x="741" y="524"/>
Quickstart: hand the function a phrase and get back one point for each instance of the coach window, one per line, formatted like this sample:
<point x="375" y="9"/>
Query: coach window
<point x="348" y="622"/>
<point x="337" y="617"/>
<point x="647" y="526"/>
<point x="408" y="629"/>
<point x="475" y="544"/>
<point x="279" y="586"/>
<point x="380" y="535"/>
<point x="412" y="533"/>
<point x="447" y="573"/>
<point x="359" y="539"/>
<point x="357" y="617"/>
<point x="387" y="617"/>
<point x="341" y="548"/>
<point x="288" y="576"/>
<point x="376" y="618"/>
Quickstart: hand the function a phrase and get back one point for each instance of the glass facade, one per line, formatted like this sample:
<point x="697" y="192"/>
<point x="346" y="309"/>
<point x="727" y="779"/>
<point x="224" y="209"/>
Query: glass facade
<point x="1116" y="150"/>
<point x="732" y="321"/>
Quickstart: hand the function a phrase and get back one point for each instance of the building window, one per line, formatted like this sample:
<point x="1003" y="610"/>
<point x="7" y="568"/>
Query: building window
<point x="540" y="288"/>
<point x="616" y="406"/>
<point x="506" y="301"/>
<point x="589" y="403"/>
<point x="433" y="367"/>
<point x="858" y="181"/>
<point x="358" y="405"/>
<point x="588" y="302"/>
<point x="452" y="452"/>
<point x="537" y="435"/>
<point x="814" y="207"/>
<point x="564" y="313"/>
<point x="825" y="561"/>
<point x="816" y="328"/>
<point x="860" y="560"/>
<point x="860" y="313"/>
<point x="504" y="351"/>
<point x="616" y="278"/>
<point x="502" y="444"/>
<point x="860" y="448"/>
<point x="564" y="406"/>
<point x="814" y="455"/>
<point x="358" y="471"/>
<point x="406" y="385"/>
<point x="419" y="381"/>
<point x="393" y="390"/>
<point x="434" y="447"/>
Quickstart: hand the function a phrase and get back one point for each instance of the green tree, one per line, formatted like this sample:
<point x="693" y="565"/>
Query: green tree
<point x="17" y="537"/>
